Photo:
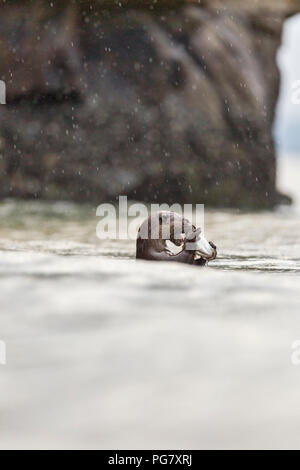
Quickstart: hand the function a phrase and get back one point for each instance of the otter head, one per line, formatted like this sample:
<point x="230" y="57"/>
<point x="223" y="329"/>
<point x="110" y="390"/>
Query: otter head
<point x="167" y="236"/>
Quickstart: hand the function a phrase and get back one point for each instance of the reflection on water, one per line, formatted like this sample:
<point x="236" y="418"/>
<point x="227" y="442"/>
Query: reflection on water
<point x="107" y="352"/>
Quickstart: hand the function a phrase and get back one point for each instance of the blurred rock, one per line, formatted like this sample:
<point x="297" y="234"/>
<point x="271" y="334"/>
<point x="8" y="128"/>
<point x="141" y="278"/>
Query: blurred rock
<point x="166" y="104"/>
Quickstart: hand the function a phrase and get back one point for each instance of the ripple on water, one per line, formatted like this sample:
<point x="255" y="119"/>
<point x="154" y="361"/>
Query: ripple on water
<point x="264" y="242"/>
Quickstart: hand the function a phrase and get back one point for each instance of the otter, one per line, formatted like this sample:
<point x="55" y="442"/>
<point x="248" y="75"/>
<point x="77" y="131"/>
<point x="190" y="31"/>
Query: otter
<point x="167" y="236"/>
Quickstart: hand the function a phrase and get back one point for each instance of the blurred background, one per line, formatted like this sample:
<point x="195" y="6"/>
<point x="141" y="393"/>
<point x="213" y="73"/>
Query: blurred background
<point x="174" y="101"/>
<point x="288" y="111"/>
<point x="171" y="102"/>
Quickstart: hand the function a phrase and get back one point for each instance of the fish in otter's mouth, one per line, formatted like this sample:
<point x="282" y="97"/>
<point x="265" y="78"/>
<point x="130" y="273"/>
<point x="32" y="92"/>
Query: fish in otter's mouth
<point x="204" y="250"/>
<point x="202" y="259"/>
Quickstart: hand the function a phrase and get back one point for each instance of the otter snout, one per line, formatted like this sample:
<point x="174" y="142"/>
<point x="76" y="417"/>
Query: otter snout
<point x="203" y="248"/>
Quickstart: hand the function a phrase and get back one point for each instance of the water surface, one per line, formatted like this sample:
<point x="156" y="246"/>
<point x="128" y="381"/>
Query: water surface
<point x="107" y="352"/>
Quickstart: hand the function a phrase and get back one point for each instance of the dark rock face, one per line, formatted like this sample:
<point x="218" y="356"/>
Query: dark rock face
<point x="170" y="105"/>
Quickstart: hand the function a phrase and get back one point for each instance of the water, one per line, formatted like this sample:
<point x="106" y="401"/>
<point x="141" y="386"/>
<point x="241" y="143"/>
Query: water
<point x="107" y="352"/>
